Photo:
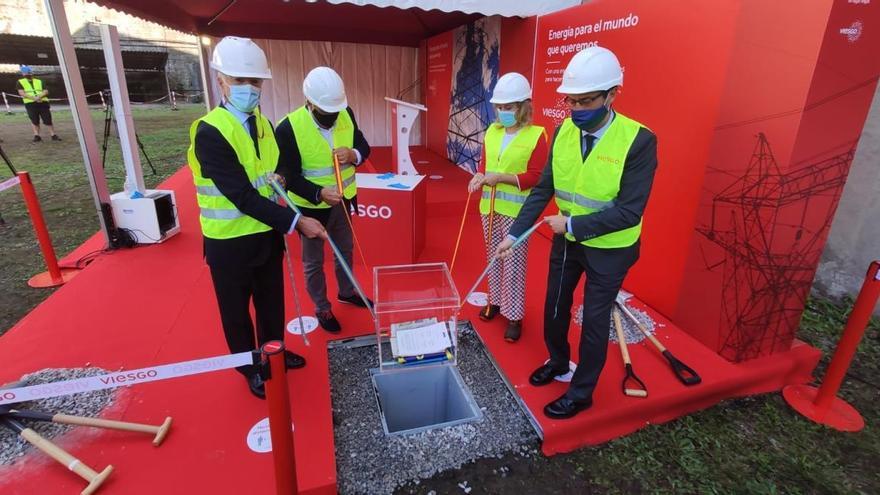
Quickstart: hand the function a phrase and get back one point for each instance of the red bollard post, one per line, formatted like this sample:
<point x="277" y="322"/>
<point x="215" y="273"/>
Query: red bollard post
<point x="279" y="419"/>
<point x="822" y="405"/>
<point x="55" y="276"/>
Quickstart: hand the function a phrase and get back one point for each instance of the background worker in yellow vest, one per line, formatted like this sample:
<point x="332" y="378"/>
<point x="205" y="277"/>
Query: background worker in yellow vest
<point x="600" y="170"/>
<point x="308" y="138"/>
<point x="36" y="102"/>
<point x="232" y="150"/>
<point x="514" y="152"/>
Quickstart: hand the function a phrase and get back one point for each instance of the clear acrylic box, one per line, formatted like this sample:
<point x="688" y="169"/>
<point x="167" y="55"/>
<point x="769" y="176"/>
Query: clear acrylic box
<point x="407" y="296"/>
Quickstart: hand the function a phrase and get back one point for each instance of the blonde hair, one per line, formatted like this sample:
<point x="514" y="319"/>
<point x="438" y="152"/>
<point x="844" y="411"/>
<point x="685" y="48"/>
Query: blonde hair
<point x="523" y="113"/>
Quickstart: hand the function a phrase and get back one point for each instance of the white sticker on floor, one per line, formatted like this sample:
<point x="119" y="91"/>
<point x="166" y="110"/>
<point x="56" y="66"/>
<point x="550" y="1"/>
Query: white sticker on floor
<point x="310" y="322"/>
<point x="258" y="439"/>
<point x="478" y="299"/>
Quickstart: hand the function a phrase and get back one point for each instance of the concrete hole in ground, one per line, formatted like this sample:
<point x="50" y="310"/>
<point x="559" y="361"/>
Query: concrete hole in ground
<point x="370" y="461"/>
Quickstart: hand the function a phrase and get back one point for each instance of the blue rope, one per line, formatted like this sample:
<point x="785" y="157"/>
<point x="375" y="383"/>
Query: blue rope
<point x="519" y="240"/>
<point x="283" y="194"/>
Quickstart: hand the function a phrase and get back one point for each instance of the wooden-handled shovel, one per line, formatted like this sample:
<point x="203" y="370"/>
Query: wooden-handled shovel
<point x="683" y="372"/>
<point x="642" y="389"/>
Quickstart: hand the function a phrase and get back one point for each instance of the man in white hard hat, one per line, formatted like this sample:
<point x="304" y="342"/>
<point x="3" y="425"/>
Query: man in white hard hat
<point x="232" y="151"/>
<point x="309" y="138"/>
<point x="601" y="169"/>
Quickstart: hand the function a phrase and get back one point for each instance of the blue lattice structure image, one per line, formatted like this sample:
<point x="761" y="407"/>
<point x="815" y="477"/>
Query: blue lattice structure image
<point x="478" y="52"/>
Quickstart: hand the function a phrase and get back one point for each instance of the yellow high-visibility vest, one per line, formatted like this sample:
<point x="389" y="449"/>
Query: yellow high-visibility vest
<point x="317" y="155"/>
<point x="32" y="89"/>
<point x="513" y="160"/>
<point x="219" y="218"/>
<point x="586" y="186"/>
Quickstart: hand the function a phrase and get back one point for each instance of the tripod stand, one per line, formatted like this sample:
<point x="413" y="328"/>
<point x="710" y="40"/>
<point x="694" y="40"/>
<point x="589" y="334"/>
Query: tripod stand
<point x="14" y="173"/>
<point x="108" y="122"/>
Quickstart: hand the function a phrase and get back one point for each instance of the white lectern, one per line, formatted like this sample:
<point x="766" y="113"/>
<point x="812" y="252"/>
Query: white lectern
<point x="403" y="115"/>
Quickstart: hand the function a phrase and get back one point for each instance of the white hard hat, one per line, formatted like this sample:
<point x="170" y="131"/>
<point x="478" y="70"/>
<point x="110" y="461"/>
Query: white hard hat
<point x="240" y="57"/>
<point x="511" y="87"/>
<point x="324" y="88"/>
<point x="592" y="69"/>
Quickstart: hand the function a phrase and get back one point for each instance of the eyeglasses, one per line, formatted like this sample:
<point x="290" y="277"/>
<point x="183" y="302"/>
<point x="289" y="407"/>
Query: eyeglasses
<point x="583" y="101"/>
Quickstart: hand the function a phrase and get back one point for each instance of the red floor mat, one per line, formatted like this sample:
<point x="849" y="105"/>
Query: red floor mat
<point x="155" y="305"/>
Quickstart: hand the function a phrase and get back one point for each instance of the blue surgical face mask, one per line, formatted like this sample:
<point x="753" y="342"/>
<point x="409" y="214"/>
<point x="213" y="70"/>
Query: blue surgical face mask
<point x="244" y="97"/>
<point x="587" y="120"/>
<point x="507" y="118"/>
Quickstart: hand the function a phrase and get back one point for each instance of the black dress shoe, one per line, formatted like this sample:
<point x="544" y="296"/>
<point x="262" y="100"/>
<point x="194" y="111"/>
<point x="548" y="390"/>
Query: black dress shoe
<point x="258" y="388"/>
<point x="544" y="375"/>
<point x="489" y="311"/>
<point x="564" y="408"/>
<point x="355" y="300"/>
<point x="328" y="321"/>
<point x="293" y="360"/>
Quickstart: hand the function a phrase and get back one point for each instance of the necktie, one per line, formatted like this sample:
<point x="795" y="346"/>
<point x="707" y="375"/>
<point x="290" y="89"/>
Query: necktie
<point x="587" y="145"/>
<point x="252" y="128"/>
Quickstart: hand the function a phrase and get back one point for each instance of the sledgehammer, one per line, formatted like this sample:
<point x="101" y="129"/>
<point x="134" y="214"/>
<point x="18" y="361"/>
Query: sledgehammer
<point x="94" y="478"/>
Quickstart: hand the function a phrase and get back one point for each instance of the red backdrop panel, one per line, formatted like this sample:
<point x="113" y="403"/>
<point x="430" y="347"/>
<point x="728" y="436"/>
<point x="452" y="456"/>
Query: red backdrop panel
<point x="791" y="115"/>
<point x="674" y="58"/>
<point x="517" y="45"/>
<point x="439" y="89"/>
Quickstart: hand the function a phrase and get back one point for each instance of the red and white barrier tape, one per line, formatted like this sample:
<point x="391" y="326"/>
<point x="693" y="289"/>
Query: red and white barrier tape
<point x="124" y="378"/>
<point x="6" y="184"/>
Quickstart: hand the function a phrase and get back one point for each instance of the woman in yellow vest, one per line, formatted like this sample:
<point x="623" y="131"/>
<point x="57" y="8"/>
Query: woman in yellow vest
<point x="514" y="153"/>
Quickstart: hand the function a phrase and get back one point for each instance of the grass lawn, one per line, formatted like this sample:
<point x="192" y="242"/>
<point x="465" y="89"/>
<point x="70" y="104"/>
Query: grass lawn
<point x="753" y="445"/>
<point x="63" y="188"/>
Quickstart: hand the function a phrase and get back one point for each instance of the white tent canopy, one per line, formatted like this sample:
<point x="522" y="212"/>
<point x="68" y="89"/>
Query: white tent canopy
<point x="506" y="8"/>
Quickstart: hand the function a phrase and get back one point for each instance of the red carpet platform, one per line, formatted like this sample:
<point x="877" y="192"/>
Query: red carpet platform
<point x="155" y="305"/>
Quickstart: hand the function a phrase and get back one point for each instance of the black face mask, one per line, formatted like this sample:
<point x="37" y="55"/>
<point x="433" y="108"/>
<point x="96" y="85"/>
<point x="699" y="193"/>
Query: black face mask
<point x="325" y="120"/>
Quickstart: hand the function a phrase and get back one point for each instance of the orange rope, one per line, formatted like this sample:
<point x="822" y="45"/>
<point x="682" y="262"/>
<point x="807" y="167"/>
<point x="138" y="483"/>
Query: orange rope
<point x="489" y="244"/>
<point x="357" y="243"/>
<point x="460" y="230"/>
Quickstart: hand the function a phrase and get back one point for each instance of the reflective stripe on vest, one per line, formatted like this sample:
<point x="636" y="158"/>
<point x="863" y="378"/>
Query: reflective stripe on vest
<point x="317" y="156"/>
<point x="213" y="191"/>
<point x="218" y="216"/>
<point x="585" y="187"/>
<point x="31" y="89"/>
<point x="513" y="160"/>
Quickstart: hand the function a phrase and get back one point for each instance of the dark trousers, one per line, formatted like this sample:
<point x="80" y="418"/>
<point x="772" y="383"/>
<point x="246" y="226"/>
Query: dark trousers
<point x="235" y="286"/>
<point x="568" y="261"/>
<point x="313" y="259"/>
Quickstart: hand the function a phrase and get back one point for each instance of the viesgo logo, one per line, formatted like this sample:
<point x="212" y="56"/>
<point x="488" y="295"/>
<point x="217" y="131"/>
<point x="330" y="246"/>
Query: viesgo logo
<point x="857" y="2"/>
<point x="372" y="211"/>
<point x="606" y="158"/>
<point x="128" y="377"/>
<point x="7" y="396"/>
<point x="853" y="32"/>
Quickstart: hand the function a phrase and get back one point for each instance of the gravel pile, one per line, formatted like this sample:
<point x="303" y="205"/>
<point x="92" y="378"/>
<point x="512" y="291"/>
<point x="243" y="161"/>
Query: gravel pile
<point x="630" y="331"/>
<point x="13" y="447"/>
<point x="370" y="462"/>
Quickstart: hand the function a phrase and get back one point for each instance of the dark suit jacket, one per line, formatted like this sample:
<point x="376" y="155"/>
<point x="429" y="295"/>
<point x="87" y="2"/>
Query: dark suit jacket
<point x="290" y="166"/>
<point x="220" y="164"/>
<point x="635" y="187"/>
